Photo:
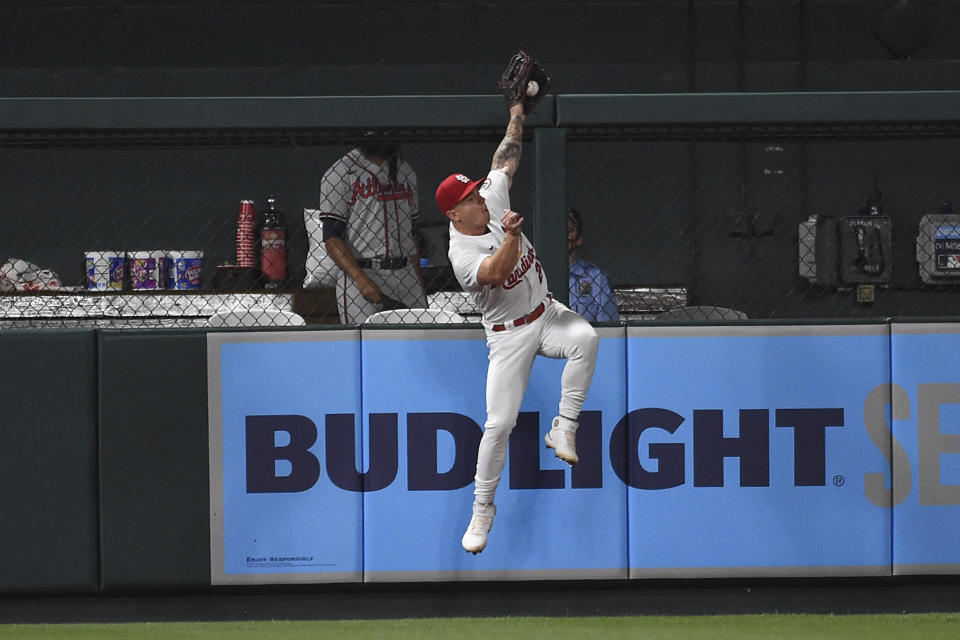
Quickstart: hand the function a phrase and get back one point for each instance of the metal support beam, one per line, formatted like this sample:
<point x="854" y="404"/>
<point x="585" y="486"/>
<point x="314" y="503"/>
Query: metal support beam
<point x="259" y="112"/>
<point x="757" y="108"/>
<point x="550" y="228"/>
<point x="573" y="110"/>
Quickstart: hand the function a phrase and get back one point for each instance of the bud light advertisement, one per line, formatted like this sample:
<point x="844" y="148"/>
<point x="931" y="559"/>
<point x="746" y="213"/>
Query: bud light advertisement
<point x="747" y="451"/>
<point x="271" y="395"/>
<point x="348" y="455"/>
<point x="923" y="440"/>
<point x="553" y="521"/>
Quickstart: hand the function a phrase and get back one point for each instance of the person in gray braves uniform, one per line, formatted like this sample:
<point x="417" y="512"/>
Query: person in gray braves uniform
<point x="368" y="205"/>
<point x="494" y="261"/>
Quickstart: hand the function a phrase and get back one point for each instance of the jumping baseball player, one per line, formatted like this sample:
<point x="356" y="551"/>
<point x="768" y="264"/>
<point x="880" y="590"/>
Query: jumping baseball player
<point x="368" y="203"/>
<point x="494" y="261"/>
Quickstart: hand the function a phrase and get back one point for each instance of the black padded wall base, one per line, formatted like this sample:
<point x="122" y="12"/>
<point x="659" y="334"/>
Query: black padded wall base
<point x="48" y="462"/>
<point x="153" y="464"/>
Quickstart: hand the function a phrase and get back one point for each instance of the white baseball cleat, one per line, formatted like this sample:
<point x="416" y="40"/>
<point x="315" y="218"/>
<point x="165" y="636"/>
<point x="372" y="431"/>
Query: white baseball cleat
<point x="475" y="539"/>
<point x="563" y="442"/>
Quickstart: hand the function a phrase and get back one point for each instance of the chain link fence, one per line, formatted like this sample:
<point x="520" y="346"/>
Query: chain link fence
<point x="811" y="223"/>
<point x="143" y="228"/>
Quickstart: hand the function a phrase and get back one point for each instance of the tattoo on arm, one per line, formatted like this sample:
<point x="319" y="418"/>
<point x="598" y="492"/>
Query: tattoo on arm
<point x="515" y="129"/>
<point x="507" y="155"/>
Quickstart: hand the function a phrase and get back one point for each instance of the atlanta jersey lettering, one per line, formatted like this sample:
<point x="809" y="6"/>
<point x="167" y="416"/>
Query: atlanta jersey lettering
<point x="379" y="214"/>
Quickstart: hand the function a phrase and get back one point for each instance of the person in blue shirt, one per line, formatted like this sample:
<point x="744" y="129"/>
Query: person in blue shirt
<point x="590" y="293"/>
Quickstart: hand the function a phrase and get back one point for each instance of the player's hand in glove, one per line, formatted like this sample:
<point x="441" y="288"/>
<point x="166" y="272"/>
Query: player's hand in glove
<point x="523" y="82"/>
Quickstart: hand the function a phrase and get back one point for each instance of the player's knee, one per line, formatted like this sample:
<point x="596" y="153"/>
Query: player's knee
<point x="496" y="432"/>
<point x="586" y="339"/>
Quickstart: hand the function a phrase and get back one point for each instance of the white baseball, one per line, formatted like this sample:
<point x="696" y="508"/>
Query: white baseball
<point x="532" y="88"/>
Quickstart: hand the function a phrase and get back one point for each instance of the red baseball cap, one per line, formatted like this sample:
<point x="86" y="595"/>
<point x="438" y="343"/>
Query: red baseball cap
<point x="453" y="189"/>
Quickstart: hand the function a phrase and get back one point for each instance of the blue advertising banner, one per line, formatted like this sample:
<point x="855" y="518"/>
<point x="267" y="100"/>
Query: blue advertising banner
<point x="424" y="396"/>
<point x="281" y="407"/>
<point x="705" y="452"/>
<point x="747" y="451"/>
<point x="924" y="443"/>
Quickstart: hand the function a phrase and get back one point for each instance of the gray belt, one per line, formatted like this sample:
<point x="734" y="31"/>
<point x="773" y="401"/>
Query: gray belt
<point x="382" y="263"/>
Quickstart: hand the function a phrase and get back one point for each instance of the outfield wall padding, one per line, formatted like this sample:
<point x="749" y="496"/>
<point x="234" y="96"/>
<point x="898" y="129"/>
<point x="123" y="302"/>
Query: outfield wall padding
<point x="153" y="460"/>
<point x="48" y="474"/>
<point x="747" y="450"/>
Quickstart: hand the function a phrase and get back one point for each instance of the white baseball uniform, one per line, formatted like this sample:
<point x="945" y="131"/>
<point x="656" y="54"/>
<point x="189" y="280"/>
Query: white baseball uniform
<point x="557" y="332"/>
<point x="379" y="216"/>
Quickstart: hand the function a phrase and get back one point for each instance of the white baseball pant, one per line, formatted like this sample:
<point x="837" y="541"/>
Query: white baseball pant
<point x="558" y="333"/>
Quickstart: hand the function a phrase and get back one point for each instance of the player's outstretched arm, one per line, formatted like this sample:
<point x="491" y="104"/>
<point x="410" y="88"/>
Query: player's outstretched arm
<point x="507" y="156"/>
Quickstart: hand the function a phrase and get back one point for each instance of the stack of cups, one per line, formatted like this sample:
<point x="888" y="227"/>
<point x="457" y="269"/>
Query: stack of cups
<point x="246" y="230"/>
<point x="105" y="270"/>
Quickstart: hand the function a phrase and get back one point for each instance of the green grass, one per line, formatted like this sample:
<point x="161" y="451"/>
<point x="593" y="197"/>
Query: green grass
<point x="765" y="627"/>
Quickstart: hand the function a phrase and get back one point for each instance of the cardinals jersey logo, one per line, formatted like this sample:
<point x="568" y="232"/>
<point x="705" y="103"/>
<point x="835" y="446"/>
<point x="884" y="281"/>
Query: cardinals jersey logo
<point x="527" y="261"/>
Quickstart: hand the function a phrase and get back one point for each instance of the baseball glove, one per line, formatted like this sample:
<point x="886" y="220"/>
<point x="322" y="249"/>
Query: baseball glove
<point x="523" y="81"/>
<point x="389" y="304"/>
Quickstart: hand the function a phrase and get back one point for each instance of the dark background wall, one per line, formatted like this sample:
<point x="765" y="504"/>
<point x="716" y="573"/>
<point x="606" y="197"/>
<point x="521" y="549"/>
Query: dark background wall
<point x="210" y="47"/>
<point x="678" y="232"/>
